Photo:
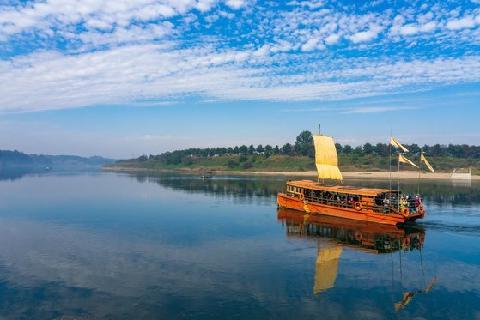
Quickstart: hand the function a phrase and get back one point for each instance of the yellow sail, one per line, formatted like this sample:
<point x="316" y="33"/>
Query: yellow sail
<point x="326" y="158"/>
<point x="326" y="268"/>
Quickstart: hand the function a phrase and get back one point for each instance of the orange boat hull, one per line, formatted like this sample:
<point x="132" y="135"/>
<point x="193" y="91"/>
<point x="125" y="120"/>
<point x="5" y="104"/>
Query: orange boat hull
<point x="364" y="214"/>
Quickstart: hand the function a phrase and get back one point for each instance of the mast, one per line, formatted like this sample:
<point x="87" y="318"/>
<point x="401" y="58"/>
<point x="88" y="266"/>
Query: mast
<point x="390" y="164"/>
<point x="319" y="133"/>
<point x="419" y="171"/>
<point x="398" y="183"/>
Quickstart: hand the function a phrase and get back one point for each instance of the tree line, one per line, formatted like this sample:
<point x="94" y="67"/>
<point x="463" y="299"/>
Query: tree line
<point x="303" y="146"/>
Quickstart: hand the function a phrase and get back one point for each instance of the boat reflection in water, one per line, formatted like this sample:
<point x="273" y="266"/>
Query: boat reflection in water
<point x="334" y="234"/>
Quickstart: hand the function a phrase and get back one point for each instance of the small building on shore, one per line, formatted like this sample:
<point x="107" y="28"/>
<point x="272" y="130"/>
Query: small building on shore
<point x="462" y="174"/>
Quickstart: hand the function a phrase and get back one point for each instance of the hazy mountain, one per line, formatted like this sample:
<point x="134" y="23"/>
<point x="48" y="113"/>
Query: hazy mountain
<point x="18" y="161"/>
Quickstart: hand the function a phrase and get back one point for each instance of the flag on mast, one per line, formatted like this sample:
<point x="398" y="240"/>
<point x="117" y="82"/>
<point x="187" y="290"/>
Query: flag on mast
<point x="394" y="142"/>
<point x="422" y="158"/>
<point x="402" y="159"/>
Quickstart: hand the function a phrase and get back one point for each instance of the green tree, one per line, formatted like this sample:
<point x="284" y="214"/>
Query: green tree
<point x="368" y="148"/>
<point x="304" y="144"/>
<point x="436" y="150"/>
<point x="414" y="148"/>
<point x="287" y="149"/>
<point x="243" y="149"/>
<point x="381" y="149"/>
<point x="358" y="150"/>
<point x="339" y="147"/>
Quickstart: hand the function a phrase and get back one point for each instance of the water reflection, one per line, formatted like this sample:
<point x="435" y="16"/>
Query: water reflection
<point x="364" y="236"/>
<point x="171" y="246"/>
<point x="334" y="234"/>
<point x="439" y="192"/>
<point x="13" y="174"/>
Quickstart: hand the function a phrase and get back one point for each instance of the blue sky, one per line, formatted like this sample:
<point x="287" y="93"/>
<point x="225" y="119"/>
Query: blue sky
<point x="126" y="77"/>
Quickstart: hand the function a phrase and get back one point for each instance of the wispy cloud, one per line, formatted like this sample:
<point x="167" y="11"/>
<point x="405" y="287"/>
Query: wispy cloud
<point x="368" y="109"/>
<point x="356" y="109"/>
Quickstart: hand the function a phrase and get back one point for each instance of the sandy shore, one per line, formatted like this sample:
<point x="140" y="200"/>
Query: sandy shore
<point x="308" y="174"/>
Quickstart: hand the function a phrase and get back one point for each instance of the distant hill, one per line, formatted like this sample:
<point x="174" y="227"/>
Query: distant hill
<point x="19" y="161"/>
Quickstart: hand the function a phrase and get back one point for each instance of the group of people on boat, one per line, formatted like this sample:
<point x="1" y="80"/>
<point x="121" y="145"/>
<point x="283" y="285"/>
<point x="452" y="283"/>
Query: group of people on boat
<point x="411" y="202"/>
<point x="404" y="201"/>
<point x="331" y="198"/>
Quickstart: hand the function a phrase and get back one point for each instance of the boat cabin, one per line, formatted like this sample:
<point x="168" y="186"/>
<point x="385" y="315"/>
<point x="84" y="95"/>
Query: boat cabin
<point x="377" y="200"/>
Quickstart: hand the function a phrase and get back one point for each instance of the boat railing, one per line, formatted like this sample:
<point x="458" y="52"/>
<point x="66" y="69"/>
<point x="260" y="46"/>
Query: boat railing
<point x="390" y="209"/>
<point x="331" y="202"/>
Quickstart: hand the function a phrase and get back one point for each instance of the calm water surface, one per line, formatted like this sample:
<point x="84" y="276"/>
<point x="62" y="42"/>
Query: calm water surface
<point x="123" y="246"/>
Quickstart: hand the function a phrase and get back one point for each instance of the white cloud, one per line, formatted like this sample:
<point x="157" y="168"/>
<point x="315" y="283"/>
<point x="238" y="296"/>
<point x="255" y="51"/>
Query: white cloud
<point x="120" y="35"/>
<point x="51" y="80"/>
<point x="428" y="27"/>
<point x="50" y="14"/>
<point x="408" y="30"/>
<point x="129" y="50"/>
<point x="365" y="36"/>
<point x="235" y="4"/>
<point x="309" y="4"/>
<point x="376" y="109"/>
<point x="332" y="39"/>
<point x="347" y="110"/>
<point x="413" y="29"/>
<point x="205" y="5"/>
<point x="310" y="45"/>
<point x="465" y="22"/>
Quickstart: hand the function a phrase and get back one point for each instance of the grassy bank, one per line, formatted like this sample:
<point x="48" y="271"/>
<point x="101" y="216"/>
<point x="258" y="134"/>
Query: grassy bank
<point x="227" y="163"/>
<point x="284" y="163"/>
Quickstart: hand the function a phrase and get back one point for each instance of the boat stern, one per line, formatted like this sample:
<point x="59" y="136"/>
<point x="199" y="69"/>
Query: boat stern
<point x="412" y="216"/>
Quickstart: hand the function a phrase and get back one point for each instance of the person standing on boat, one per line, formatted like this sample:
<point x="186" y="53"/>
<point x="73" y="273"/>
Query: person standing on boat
<point x="418" y="201"/>
<point x="403" y="202"/>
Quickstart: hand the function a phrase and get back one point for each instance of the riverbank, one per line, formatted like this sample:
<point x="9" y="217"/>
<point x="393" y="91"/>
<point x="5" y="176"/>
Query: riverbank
<point x="304" y="174"/>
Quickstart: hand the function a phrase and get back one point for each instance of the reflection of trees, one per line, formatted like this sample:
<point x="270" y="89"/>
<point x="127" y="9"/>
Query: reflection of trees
<point x="241" y="187"/>
<point x="438" y="192"/>
<point x="13" y="174"/>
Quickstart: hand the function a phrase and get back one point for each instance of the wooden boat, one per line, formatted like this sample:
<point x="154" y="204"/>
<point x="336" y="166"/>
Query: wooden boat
<point x="364" y="204"/>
